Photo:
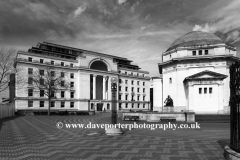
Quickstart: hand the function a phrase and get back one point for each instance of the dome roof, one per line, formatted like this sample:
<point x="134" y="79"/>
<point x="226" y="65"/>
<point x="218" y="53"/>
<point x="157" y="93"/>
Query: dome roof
<point x="195" y="38"/>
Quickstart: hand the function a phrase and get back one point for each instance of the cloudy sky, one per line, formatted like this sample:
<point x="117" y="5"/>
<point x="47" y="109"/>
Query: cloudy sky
<point x="139" y="30"/>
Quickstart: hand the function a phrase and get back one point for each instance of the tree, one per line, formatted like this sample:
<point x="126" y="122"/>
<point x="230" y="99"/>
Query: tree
<point x="7" y="57"/>
<point x="47" y="81"/>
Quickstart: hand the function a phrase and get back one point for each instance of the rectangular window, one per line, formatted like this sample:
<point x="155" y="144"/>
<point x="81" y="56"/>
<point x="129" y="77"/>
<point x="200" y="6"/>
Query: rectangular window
<point x="52" y="103"/>
<point x="72" y="84"/>
<point x="62" y="74"/>
<point x="138" y="97"/>
<point x="41" y="93"/>
<point x="126" y="97"/>
<point x="137" y="82"/>
<point x="143" y="90"/>
<point x="41" y="60"/>
<point x="72" y="94"/>
<point x="71" y="65"/>
<point x="30" y="103"/>
<point x="132" y="105"/>
<point x="143" y="98"/>
<point x="132" y="89"/>
<point x="194" y="53"/>
<point x="41" y="72"/>
<point x="72" y="104"/>
<point x="126" y="89"/>
<point x="143" y="105"/>
<point x="120" y="88"/>
<point x="126" y="105"/>
<point x="30" y="92"/>
<point x="62" y="104"/>
<point x="120" y="105"/>
<point x="170" y="80"/>
<point x="200" y="52"/>
<point x="200" y="90"/>
<point x="41" y="103"/>
<point x="205" y="90"/>
<point x="143" y="83"/>
<point x="30" y="80"/>
<point x="62" y="83"/>
<point x="126" y="73"/>
<point x="210" y="90"/>
<point x="132" y="82"/>
<point x="52" y="62"/>
<point x="138" y="89"/>
<point x="71" y="75"/>
<point x="52" y="73"/>
<point x="30" y="59"/>
<point x="30" y="71"/>
<point x="52" y="82"/>
<point x="62" y="63"/>
<point x="206" y="52"/>
<point x="41" y="81"/>
<point x="126" y="81"/>
<point x="143" y="75"/>
<point x="52" y="94"/>
<point x="138" y="105"/>
<point x="119" y="96"/>
<point x="62" y="94"/>
<point x="132" y="98"/>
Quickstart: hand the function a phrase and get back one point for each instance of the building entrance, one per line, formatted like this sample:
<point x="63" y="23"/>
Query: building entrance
<point x="99" y="106"/>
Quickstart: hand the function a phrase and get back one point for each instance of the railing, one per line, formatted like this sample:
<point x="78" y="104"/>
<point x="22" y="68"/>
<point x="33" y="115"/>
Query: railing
<point x="7" y="110"/>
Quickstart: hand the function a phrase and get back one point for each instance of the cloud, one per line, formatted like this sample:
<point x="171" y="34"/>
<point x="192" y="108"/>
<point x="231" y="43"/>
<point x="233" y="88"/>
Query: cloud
<point x="121" y="1"/>
<point x="80" y="10"/>
<point x="223" y="19"/>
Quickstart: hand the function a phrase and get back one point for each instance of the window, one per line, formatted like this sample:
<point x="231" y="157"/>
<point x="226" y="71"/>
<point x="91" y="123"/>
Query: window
<point x="72" y="84"/>
<point x="143" y="98"/>
<point x="126" y="97"/>
<point x="119" y="88"/>
<point x="62" y="104"/>
<point x="41" y="60"/>
<point x="62" y="74"/>
<point x="143" y="105"/>
<point x="52" y="94"/>
<point x="41" y="72"/>
<point x="41" y="103"/>
<point x="132" y="89"/>
<point x="71" y="65"/>
<point x="132" y="97"/>
<point x="170" y="56"/>
<point x="126" y="81"/>
<point x="72" y="94"/>
<point x="138" y="105"/>
<point x="210" y="90"/>
<point x="206" y="52"/>
<point x="41" y="93"/>
<point x="52" y="62"/>
<point x="200" y="90"/>
<point x="137" y="74"/>
<point x="138" y="98"/>
<point x="52" y="103"/>
<point x="132" y="105"/>
<point x="30" y="59"/>
<point x="194" y="53"/>
<point x="30" y="103"/>
<point x="143" y="75"/>
<point x="62" y="63"/>
<point x="170" y="80"/>
<point x="143" y="83"/>
<point x="138" y="89"/>
<point x="30" y="92"/>
<point x="200" y="52"/>
<point x="62" y="94"/>
<point x="30" y="71"/>
<point x="41" y="81"/>
<point x="120" y="80"/>
<point x="72" y="104"/>
<point x="120" y="105"/>
<point x="143" y="90"/>
<point x="30" y="80"/>
<point x="126" y="89"/>
<point x="126" y="73"/>
<point x="62" y="83"/>
<point x="137" y="82"/>
<point x="126" y="105"/>
<point x="119" y="97"/>
<point x="205" y="90"/>
<point x="71" y="75"/>
<point x="52" y="73"/>
<point x="52" y="82"/>
<point x="132" y="82"/>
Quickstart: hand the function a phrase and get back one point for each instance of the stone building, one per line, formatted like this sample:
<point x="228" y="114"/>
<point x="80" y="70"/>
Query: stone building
<point x="89" y="73"/>
<point x="195" y="74"/>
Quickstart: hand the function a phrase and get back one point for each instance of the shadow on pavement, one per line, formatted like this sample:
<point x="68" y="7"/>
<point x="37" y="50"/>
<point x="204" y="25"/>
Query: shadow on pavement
<point x="2" y="121"/>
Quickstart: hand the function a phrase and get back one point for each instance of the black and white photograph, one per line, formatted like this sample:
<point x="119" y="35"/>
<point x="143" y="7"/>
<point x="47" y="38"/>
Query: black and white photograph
<point x="119" y="80"/>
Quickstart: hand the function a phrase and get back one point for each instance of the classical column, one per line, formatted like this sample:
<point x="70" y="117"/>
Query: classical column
<point x="104" y="87"/>
<point x="94" y="86"/>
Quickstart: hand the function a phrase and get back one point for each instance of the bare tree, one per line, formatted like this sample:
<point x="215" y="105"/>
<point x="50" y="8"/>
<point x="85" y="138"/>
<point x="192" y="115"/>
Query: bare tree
<point x="49" y="82"/>
<point x="7" y="57"/>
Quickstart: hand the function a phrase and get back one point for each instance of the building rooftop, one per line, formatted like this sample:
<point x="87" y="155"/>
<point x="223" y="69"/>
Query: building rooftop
<point x="195" y="38"/>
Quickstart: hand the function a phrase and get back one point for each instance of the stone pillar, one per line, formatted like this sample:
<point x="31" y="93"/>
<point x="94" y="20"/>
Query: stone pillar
<point x="109" y="89"/>
<point x="94" y="86"/>
<point x="104" y="87"/>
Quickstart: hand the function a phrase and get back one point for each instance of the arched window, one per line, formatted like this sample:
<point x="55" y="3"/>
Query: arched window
<point x="99" y="65"/>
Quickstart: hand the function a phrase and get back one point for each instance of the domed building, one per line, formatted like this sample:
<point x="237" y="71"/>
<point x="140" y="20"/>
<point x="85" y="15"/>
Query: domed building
<point x="195" y="74"/>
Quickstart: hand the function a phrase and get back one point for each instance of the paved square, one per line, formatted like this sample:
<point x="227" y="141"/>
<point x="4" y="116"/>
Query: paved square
<point x="37" y="137"/>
